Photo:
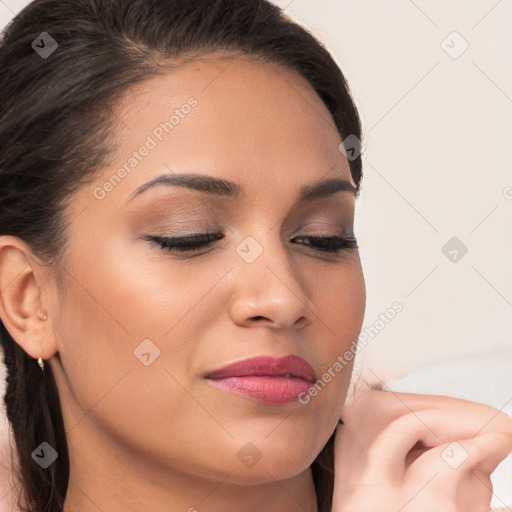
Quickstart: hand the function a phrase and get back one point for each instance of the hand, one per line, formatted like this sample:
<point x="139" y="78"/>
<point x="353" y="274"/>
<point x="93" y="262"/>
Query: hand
<point x="404" y="452"/>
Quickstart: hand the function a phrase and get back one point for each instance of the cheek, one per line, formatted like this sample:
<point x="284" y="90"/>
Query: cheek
<point x="138" y="312"/>
<point x="340" y="301"/>
<point x="109" y="310"/>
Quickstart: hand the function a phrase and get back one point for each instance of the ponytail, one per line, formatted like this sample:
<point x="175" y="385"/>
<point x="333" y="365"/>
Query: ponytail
<point x="34" y="412"/>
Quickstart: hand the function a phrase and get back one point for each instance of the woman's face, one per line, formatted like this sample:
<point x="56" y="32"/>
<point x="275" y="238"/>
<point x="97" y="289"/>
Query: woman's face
<point x="141" y="326"/>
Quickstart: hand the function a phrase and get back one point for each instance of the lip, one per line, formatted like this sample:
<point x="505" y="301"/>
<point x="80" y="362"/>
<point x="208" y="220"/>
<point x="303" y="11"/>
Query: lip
<point x="268" y="366"/>
<point x="267" y="379"/>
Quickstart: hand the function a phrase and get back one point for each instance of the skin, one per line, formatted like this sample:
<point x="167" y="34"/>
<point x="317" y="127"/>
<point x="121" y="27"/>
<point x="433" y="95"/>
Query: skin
<point x="160" y="437"/>
<point x="417" y="453"/>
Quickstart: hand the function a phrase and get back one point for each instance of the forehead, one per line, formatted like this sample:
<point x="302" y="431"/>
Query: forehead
<point x="248" y="122"/>
<point x="251" y="115"/>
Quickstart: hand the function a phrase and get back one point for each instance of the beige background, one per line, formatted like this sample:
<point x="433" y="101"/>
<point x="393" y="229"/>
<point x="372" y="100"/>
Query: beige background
<point x="437" y="165"/>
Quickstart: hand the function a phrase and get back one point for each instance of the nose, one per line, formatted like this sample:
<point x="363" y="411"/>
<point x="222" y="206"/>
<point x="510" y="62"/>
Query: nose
<point x="270" y="291"/>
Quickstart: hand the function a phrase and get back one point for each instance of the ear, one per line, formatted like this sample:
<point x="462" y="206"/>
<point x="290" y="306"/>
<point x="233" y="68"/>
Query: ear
<point x="21" y="291"/>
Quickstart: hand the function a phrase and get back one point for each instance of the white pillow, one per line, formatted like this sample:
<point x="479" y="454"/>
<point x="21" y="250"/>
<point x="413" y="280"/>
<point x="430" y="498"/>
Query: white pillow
<point x="484" y="377"/>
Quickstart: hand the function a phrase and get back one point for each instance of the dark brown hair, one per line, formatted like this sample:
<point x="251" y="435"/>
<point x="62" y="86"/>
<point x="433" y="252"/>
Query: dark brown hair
<point x="57" y="131"/>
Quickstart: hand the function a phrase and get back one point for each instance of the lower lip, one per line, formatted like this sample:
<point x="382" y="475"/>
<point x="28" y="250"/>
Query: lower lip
<point x="269" y="390"/>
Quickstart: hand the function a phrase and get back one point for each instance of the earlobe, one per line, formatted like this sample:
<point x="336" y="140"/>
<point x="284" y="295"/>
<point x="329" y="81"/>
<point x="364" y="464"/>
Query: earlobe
<point x="21" y="310"/>
<point x="42" y="315"/>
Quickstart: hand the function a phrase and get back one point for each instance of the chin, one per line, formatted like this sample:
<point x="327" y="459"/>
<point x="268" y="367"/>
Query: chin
<point x="265" y="461"/>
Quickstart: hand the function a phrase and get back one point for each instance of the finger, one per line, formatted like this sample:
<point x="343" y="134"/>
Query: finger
<point x="482" y="454"/>
<point x="391" y="447"/>
<point x="389" y="405"/>
<point x="388" y="431"/>
<point x="456" y="475"/>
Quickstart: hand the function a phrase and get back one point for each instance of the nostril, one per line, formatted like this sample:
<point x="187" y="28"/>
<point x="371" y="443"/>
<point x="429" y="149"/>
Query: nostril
<point x="304" y="322"/>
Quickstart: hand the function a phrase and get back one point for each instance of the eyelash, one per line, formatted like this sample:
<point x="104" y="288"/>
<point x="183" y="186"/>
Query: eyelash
<point x="194" y="243"/>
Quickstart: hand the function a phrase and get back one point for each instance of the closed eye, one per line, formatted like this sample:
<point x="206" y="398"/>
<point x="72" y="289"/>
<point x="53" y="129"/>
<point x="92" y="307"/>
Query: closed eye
<point x="194" y="243"/>
<point x="330" y="243"/>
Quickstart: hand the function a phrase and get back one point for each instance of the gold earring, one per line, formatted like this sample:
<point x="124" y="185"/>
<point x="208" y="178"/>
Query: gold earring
<point x="43" y="317"/>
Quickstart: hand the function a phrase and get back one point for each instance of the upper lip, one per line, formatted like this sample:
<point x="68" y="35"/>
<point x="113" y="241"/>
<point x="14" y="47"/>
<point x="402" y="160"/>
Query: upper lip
<point x="290" y="365"/>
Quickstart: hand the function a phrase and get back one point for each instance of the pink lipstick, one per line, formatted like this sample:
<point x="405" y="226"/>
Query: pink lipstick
<point x="266" y="379"/>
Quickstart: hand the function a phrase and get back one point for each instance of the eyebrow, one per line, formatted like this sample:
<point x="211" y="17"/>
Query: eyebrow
<point x="231" y="190"/>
